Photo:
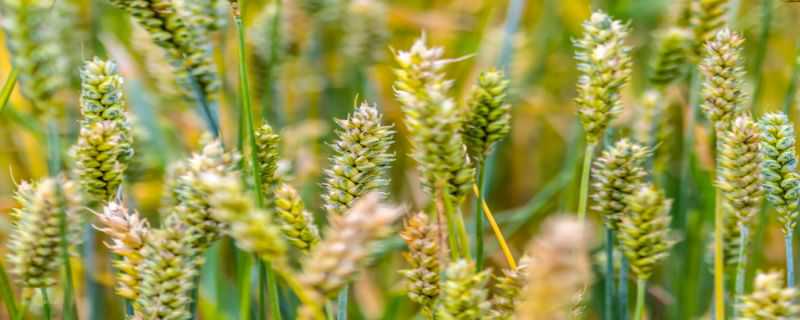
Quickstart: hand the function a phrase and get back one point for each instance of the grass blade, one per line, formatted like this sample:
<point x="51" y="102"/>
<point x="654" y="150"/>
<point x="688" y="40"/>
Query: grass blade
<point x="8" y="87"/>
<point x="7" y="294"/>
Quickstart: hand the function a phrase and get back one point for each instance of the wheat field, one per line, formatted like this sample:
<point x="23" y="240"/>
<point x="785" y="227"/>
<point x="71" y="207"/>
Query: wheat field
<point x="385" y="159"/>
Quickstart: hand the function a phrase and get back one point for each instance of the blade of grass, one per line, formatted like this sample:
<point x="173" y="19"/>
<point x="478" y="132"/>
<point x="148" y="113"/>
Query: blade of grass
<point x="7" y="293"/>
<point x="8" y="87"/>
<point x="761" y="51"/>
<point x="583" y="199"/>
<point x="244" y="87"/>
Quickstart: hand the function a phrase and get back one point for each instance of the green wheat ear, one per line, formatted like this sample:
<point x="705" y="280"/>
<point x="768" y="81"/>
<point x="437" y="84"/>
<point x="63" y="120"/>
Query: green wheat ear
<point x="208" y="15"/>
<point x="128" y="232"/>
<point x="34" y="245"/>
<point x="99" y="164"/>
<point x="488" y="119"/>
<point x="671" y="55"/>
<point x="433" y="120"/>
<point x="604" y="63"/>
<point x="464" y="295"/>
<point x="739" y="176"/>
<point x="360" y="159"/>
<point x="366" y="31"/>
<point x="424" y="257"/>
<point x="507" y="291"/>
<point x="36" y="50"/>
<point x="297" y="224"/>
<point x="103" y="99"/>
<point x="617" y="174"/>
<point x="185" y="45"/>
<point x="723" y="73"/>
<point x="779" y="167"/>
<point x="770" y="299"/>
<point x="267" y="145"/>
<point x="336" y="260"/>
<point x="707" y="17"/>
<point x="644" y="230"/>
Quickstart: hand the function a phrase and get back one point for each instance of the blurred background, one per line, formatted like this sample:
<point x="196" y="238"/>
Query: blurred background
<point x="313" y="60"/>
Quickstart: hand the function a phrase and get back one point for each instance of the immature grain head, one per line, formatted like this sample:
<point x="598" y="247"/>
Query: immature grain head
<point x="488" y="119"/>
<point x="671" y="55"/>
<point x="424" y="254"/>
<point x="34" y="245"/>
<point x="706" y="18"/>
<point x="723" y="74"/>
<point x="36" y="49"/>
<point x="770" y="299"/>
<point x="644" y="230"/>
<point x="739" y="172"/>
<point x="432" y="119"/>
<point x="208" y="15"/>
<point x="100" y="160"/>
<point x="102" y="99"/>
<point x="340" y="255"/>
<point x="167" y="273"/>
<point x="252" y="228"/>
<point x="297" y="224"/>
<point x="731" y="239"/>
<point x="360" y="159"/>
<point x="507" y="292"/>
<point x="616" y="174"/>
<point x="779" y="167"/>
<point x="192" y="206"/>
<point x="366" y="31"/>
<point x="267" y="145"/>
<point x="559" y="271"/>
<point x="128" y="233"/>
<point x="464" y="295"/>
<point x="185" y="45"/>
<point x="604" y="63"/>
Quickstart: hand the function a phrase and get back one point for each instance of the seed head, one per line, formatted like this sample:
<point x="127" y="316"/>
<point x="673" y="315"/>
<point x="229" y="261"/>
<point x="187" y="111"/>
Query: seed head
<point x="559" y="271"/>
<point x="366" y="31"/>
<point x="424" y="257"/>
<point x="36" y="49"/>
<point x="432" y="119"/>
<point x="100" y="160"/>
<point x="208" y="15"/>
<point x="128" y="233"/>
<point x="779" y="167"/>
<point x="770" y="299"/>
<point x="102" y="99"/>
<point x="706" y="18"/>
<point x="731" y="239"/>
<point x="192" y="195"/>
<point x="297" y="224"/>
<point x="464" y="294"/>
<point x="723" y="73"/>
<point x="644" y="230"/>
<point x="34" y="245"/>
<point x="167" y="273"/>
<point x="605" y="65"/>
<point x="617" y="173"/>
<point x="739" y="172"/>
<point x="489" y="117"/>
<point x="507" y="289"/>
<point x="185" y="45"/>
<point x="267" y="145"/>
<point x="671" y="55"/>
<point x="341" y="254"/>
<point x="361" y="158"/>
<point x="252" y="228"/>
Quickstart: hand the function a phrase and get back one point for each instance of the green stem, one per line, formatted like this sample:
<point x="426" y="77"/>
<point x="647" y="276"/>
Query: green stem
<point x="479" y="220"/>
<point x="245" y="286"/>
<point x="789" y="239"/>
<point x="741" y="267"/>
<point x="791" y="92"/>
<point x="623" y="287"/>
<point x="341" y="304"/>
<point x="584" y="192"/>
<point x="641" y="285"/>
<point x="719" y="268"/>
<point x="8" y="87"/>
<point x="609" y="285"/>
<point x="7" y="293"/>
<point x="244" y="85"/>
<point x="46" y="304"/>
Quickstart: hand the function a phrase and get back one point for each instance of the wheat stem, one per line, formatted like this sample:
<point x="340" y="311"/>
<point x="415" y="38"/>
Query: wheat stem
<point x="584" y="192"/>
<point x="609" y="285"/>
<point x="479" y="219"/>
<point x="46" y="303"/>
<point x="789" y="239"/>
<point x="641" y="285"/>
<point x="501" y="240"/>
<point x="8" y="87"/>
<point x="719" y="267"/>
<point x="623" y="287"/>
<point x="341" y="303"/>
<point x="741" y="268"/>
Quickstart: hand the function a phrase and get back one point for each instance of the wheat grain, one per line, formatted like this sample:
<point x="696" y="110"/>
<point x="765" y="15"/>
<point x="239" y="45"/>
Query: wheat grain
<point x="424" y="257"/>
